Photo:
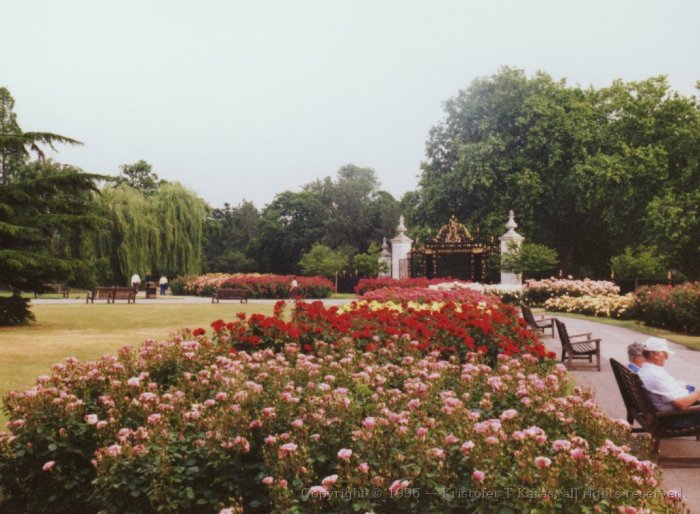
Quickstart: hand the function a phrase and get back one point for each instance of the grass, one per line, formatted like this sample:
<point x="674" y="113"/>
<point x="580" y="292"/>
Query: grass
<point x="691" y="342"/>
<point x="89" y="331"/>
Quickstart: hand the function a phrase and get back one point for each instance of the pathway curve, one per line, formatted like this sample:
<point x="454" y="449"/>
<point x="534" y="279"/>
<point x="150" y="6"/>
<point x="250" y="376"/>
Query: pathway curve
<point x="683" y="365"/>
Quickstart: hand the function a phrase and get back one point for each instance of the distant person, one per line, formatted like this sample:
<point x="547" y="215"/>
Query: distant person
<point x="635" y="356"/>
<point x="665" y="392"/>
<point x="163" y="283"/>
<point x="294" y="288"/>
<point x="135" y="281"/>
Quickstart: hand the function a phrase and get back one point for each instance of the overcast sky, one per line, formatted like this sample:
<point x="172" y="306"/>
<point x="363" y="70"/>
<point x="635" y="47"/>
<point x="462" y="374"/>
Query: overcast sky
<point x="245" y="99"/>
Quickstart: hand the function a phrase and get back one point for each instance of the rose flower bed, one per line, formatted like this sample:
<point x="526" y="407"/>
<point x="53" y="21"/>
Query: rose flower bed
<point x="372" y="420"/>
<point x="257" y="285"/>
<point x="442" y="292"/>
<point x="536" y="292"/>
<point x="610" y="306"/>
<point x="366" y="285"/>
<point x="671" y="307"/>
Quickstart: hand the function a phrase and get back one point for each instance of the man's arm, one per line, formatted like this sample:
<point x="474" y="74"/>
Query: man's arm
<point x="686" y="401"/>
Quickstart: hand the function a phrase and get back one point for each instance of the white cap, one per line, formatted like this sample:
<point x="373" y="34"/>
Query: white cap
<point x="657" y="344"/>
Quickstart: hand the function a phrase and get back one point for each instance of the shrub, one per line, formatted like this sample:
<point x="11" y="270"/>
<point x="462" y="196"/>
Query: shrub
<point x="257" y="285"/>
<point x="671" y="307"/>
<point x="612" y="306"/>
<point x="370" y="284"/>
<point x="15" y="311"/>
<point x="189" y="426"/>
<point x="536" y="292"/>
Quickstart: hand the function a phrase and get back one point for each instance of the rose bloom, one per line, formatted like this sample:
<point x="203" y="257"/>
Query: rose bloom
<point x="267" y="480"/>
<point x="329" y="481"/>
<point x="91" y="419"/>
<point x="398" y="485"/>
<point x="345" y="454"/>
<point x="363" y="468"/>
<point x="479" y="476"/>
<point x="318" y="491"/>
<point x="467" y="447"/>
<point x="543" y="462"/>
<point x="48" y="466"/>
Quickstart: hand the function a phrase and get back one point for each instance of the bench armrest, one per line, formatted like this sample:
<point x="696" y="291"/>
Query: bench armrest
<point x="596" y="341"/>
<point x="678" y="413"/>
<point x="586" y="335"/>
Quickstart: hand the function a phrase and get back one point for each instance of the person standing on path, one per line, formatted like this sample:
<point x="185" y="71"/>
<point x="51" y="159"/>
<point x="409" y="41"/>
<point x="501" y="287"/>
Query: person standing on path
<point x="163" y="283"/>
<point x="135" y="281"/>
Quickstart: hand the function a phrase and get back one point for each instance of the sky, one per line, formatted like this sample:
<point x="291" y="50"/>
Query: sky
<point x="242" y="100"/>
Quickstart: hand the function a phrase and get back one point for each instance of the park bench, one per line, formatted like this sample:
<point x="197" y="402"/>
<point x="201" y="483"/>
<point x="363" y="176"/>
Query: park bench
<point x="226" y="293"/>
<point x="640" y="409"/>
<point x="537" y="325"/>
<point x="571" y="350"/>
<point x="111" y="294"/>
<point x="53" y="288"/>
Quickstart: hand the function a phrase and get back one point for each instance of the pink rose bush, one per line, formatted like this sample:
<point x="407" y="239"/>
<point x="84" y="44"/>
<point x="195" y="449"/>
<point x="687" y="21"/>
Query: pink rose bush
<point x="258" y="285"/>
<point x="191" y="426"/>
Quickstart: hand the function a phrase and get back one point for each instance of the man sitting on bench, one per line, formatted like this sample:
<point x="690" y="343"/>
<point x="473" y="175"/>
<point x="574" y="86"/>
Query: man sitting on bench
<point x="665" y="392"/>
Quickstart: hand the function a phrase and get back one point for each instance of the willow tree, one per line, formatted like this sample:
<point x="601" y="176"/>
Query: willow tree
<point x="148" y="234"/>
<point x="180" y="214"/>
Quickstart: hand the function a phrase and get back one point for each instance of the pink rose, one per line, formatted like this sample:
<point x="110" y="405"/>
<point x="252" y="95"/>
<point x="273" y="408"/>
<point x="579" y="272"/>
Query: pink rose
<point x="329" y="481"/>
<point x="479" y="476"/>
<point x="345" y="454"/>
<point x="48" y="466"/>
<point x="543" y="462"/>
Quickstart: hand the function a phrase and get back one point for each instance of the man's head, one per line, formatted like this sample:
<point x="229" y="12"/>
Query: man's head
<point x="656" y="350"/>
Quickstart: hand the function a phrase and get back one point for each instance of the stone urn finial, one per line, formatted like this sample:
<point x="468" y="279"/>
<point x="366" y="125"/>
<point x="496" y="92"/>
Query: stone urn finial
<point x="401" y="229"/>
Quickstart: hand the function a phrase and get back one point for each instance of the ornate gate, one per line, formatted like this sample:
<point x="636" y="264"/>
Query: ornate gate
<point x="454" y="253"/>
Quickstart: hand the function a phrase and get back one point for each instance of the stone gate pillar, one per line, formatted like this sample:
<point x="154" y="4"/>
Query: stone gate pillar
<point x="400" y="247"/>
<point x="506" y="239"/>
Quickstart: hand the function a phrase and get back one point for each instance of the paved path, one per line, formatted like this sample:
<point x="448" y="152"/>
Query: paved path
<point x="683" y="365"/>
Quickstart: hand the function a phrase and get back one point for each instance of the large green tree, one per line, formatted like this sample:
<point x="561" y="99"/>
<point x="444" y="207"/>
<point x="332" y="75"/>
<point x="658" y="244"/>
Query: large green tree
<point x="580" y="167"/>
<point x="46" y="209"/>
<point x="16" y="145"/>
<point x="345" y="213"/>
<point x="227" y="236"/>
<point x="161" y="232"/>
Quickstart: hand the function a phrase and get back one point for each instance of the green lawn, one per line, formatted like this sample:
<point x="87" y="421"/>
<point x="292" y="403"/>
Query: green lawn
<point x="90" y="331"/>
<point x="692" y="342"/>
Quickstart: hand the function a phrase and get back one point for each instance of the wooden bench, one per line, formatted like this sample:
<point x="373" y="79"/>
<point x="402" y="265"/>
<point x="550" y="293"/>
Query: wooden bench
<point x="640" y="409"/>
<point x="537" y="325"/>
<point x="571" y="350"/>
<point x="124" y="293"/>
<point x="226" y="293"/>
<point x="53" y="288"/>
<point x="111" y="294"/>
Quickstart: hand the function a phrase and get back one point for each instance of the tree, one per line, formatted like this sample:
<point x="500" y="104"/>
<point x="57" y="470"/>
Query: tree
<point x="367" y="264"/>
<point x="160" y="233"/>
<point x="46" y="209"/>
<point x="322" y="260"/>
<point x="530" y="259"/>
<point x="15" y="145"/>
<point x="644" y="262"/>
<point x="140" y="176"/>
<point x="227" y="236"/>
<point x="579" y="167"/>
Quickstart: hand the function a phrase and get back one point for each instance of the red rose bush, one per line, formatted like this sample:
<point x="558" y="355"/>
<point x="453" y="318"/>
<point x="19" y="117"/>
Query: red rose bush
<point x="257" y="285"/>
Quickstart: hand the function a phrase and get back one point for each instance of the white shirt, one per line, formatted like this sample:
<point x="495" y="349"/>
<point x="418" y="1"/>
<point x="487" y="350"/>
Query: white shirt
<point x="163" y="281"/>
<point x="135" y="279"/>
<point x="661" y="386"/>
